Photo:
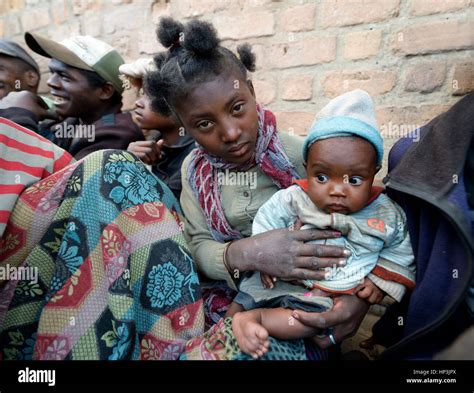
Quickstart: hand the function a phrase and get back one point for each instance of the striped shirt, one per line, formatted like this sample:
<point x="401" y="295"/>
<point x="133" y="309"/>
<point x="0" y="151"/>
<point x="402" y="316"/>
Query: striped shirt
<point x="25" y="158"/>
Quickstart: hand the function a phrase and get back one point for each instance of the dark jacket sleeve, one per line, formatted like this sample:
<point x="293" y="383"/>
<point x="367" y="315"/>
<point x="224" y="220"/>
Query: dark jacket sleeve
<point x="115" y="131"/>
<point x="21" y="116"/>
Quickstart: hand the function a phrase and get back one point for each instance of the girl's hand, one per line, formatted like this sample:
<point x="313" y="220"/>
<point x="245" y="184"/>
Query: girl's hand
<point x="286" y="254"/>
<point x="147" y="151"/>
<point x="370" y="292"/>
<point x="344" y="318"/>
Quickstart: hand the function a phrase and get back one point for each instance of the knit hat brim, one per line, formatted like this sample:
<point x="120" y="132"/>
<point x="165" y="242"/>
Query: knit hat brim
<point x="337" y="126"/>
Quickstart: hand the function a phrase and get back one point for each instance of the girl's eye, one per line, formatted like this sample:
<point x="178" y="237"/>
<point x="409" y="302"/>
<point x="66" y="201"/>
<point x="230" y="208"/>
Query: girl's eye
<point x="238" y="108"/>
<point x="205" y="125"/>
<point x="322" y="178"/>
<point x="355" y="181"/>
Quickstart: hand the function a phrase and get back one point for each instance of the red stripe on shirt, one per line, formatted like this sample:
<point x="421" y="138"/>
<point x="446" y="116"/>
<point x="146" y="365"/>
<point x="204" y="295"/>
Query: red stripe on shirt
<point x="18" y="166"/>
<point x="37" y="151"/>
<point x="23" y="129"/>
<point x="62" y="161"/>
<point x="12" y="188"/>
<point x="4" y="214"/>
<point x="387" y="275"/>
<point x="351" y="291"/>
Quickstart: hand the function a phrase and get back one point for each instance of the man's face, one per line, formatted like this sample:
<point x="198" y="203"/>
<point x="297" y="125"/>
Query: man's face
<point x="12" y="75"/>
<point x="73" y="95"/>
<point x="340" y="174"/>
<point x="221" y="116"/>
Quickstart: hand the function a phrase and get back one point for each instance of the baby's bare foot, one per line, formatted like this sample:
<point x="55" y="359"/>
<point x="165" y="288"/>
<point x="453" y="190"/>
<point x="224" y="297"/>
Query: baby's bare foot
<point x="251" y="336"/>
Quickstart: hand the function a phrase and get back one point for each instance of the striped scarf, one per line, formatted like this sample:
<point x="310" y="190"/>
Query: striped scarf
<point x="203" y="173"/>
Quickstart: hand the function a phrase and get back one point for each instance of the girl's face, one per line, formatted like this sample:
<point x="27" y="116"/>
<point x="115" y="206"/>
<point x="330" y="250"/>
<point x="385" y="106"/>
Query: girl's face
<point x="149" y="120"/>
<point x="221" y="115"/>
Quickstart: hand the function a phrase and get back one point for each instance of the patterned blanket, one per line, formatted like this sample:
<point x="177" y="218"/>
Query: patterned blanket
<point x="110" y="275"/>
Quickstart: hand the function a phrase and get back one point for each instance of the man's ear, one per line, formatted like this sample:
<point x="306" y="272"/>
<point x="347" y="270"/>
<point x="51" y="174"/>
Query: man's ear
<point x="305" y="165"/>
<point x="32" y="80"/>
<point x="106" y="91"/>
<point x="250" y="85"/>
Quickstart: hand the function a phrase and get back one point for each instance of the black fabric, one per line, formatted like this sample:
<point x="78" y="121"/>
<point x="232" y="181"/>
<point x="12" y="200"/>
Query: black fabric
<point x="288" y="301"/>
<point x="168" y="169"/>
<point x="21" y="116"/>
<point x="469" y="175"/>
<point x="294" y="303"/>
<point x="421" y="180"/>
<point x="113" y="131"/>
<point x="429" y="165"/>
<point x="390" y="331"/>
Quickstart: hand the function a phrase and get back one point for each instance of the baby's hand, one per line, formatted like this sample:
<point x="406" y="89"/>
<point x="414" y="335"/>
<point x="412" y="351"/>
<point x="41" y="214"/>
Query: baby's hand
<point x="267" y="281"/>
<point x="370" y="292"/>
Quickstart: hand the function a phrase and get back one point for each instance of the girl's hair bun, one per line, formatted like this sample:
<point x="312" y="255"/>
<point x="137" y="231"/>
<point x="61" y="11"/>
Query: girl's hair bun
<point x="247" y="57"/>
<point x="169" y="32"/>
<point x="200" y="38"/>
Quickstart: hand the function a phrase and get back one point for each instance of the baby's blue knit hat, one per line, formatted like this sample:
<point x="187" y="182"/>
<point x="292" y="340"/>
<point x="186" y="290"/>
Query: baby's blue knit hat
<point x="349" y="114"/>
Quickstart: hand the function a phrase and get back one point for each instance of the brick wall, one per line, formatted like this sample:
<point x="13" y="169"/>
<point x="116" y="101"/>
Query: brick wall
<point x="414" y="56"/>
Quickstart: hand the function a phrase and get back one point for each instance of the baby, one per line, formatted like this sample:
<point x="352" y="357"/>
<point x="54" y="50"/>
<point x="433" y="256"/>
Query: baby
<point x="342" y="154"/>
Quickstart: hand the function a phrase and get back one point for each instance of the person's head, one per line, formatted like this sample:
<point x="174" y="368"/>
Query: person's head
<point x="206" y="86"/>
<point x="342" y="154"/>
<point x="84" y="78"/>
<point x="146" y="118"/>
<point x="18" y="70"/>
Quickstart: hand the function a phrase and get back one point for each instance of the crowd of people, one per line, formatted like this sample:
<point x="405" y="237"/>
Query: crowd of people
<point x="143" y="250"/>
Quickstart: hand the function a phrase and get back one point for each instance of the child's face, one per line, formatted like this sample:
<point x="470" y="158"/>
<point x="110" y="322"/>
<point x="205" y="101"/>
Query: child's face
<point x="147" y="119"/>
<point x="340" y="173"/>
<point x="221" y="115"/>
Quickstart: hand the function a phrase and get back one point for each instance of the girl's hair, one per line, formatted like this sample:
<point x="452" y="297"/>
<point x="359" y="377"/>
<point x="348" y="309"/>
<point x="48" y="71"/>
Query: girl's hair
<point x="193" y="56"/>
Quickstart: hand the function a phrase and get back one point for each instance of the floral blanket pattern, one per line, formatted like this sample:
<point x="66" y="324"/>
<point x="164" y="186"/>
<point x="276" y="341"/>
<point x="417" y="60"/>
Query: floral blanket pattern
<point x="115" y="277"/>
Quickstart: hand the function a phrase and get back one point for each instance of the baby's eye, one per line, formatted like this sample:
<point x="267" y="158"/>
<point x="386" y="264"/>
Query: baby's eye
<point x="238" y="108"/>
<point x="355" y="180"/>
<point x="322" y="178"/>
<point x="204" y="125"/>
